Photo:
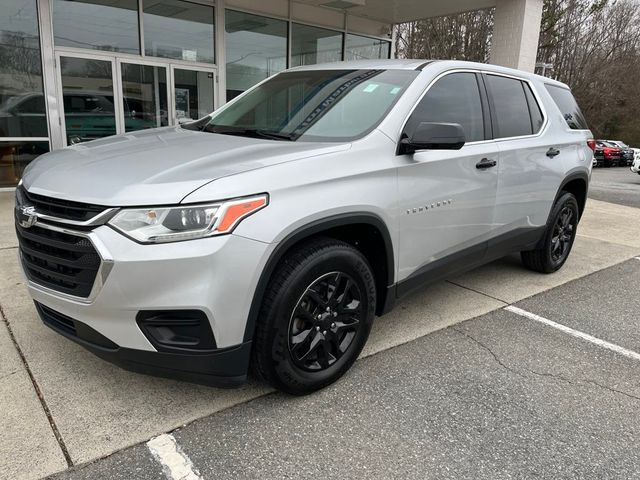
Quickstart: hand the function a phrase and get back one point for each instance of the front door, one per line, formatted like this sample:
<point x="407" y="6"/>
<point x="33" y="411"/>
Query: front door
<point x="447" y="197"/>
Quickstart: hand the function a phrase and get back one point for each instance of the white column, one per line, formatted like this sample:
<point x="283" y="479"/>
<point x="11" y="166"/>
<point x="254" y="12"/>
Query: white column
<point x="221" y="54"/>
<point x="516" y="31"/>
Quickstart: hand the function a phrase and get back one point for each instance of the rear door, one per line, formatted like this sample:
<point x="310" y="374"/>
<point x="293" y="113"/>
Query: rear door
<point x="531" y="161"/>
<point x="447" y="202"/>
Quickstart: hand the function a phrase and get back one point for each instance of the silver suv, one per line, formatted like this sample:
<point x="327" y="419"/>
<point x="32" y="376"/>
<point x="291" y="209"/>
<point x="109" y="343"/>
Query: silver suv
<point x="272" y="232"/>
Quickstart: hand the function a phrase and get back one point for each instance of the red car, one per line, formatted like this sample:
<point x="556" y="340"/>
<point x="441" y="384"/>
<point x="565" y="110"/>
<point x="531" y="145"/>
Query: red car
<point x="607" y="154"/>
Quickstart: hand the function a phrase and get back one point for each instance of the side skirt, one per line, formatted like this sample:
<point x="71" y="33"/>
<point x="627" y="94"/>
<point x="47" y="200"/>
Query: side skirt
<point x="468" y="259"/>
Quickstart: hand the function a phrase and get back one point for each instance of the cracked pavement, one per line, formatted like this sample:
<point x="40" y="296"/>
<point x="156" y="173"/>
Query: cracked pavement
<point x="497" y="396"/>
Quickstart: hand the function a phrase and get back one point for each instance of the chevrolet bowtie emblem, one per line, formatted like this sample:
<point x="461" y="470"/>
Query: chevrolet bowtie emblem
<point x="27" y="216"/>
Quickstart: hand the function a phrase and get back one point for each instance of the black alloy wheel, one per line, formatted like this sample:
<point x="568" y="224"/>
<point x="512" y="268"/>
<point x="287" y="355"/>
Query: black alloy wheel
<point x="325" y="321"/>
<point x="563" y="234"/>
<point x="316" y="316"/>
<point x="554" y="247"/>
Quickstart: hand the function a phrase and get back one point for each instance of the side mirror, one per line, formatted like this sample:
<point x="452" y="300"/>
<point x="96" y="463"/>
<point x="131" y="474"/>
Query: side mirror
<point x="433" y="136"/>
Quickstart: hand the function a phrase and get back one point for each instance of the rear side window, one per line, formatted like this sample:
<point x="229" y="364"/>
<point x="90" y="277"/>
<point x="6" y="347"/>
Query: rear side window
<point x="455" y="98"/>
<point x="534" y="109"/>
<point x="510" y="106"/>
<point x="568" y="106"/>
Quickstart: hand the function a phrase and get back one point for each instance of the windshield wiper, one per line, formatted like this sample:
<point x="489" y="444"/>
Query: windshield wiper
<point x="249" y="132"/>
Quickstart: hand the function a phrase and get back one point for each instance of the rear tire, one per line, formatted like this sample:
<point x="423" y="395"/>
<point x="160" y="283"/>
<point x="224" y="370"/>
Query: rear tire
<point x="315" y="318"/>
<point x="560" y="233"/>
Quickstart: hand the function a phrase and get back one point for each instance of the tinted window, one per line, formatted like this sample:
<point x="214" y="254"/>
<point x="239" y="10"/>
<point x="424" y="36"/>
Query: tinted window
<point x="568" y="106"/>
<point x="452" y="99"/>
<point x="534" y="109"/>
<point x="510" y="107"/>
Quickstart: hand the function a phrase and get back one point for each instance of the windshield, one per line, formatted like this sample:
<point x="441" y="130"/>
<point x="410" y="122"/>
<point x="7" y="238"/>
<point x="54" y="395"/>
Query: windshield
<point x="313" y="105"/>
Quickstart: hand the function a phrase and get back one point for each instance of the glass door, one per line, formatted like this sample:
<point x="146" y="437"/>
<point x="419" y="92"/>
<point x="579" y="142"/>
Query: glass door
<point x="145" y="94"/>
<point x="88" y="103"/>
<point x="193" y="93"/>
<point x="103" y="95"/>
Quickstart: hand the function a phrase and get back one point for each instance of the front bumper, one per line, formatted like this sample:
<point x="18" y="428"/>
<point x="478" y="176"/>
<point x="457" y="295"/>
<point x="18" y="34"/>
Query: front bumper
<point x="216" y="276"/>
<point x="224" y="367"/>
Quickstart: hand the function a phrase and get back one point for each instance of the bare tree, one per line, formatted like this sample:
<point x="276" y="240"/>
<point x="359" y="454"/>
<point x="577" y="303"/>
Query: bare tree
<point x="592" y="45"/>
<point x="465" y="36"/>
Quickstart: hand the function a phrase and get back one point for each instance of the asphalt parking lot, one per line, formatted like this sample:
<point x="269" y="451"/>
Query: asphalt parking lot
<point x="616" y="185"/>
<point x="455" y="383"/>
<point x="499" y="396"/>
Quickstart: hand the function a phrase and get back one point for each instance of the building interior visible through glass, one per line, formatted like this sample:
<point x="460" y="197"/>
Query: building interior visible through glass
<point x="168" y="79"/>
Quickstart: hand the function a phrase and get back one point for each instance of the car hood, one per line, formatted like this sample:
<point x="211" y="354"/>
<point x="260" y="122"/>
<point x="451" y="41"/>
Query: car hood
<point x="159" y="166"/>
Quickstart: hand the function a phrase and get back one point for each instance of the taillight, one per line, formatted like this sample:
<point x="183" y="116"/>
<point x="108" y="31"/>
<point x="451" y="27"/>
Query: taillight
<point x="592" y="144"/>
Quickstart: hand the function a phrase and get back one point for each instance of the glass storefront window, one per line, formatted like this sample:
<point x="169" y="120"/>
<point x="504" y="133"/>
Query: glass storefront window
<point x="87" y="89"/>
<point x="22" y="110"/>
<point x="15" y="156"/>
<point x="110" y="25"/>
<point x="256" y="49"/>
<point x="314" y="45"/>
<point x="144" y="96"/>
<point x="180" y="30"/>
<point x="194" y="94"/>
<point x="365" y="48"/>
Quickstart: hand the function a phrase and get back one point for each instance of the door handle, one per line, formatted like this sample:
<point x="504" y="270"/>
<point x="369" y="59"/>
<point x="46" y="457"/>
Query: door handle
<point x="552" y="152"/>
<point x="486" y="163"/>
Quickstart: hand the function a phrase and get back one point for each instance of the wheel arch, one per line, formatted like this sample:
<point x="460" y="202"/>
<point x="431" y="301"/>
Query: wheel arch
<point x="342" y="227"/>
<point x="576" y="183"/>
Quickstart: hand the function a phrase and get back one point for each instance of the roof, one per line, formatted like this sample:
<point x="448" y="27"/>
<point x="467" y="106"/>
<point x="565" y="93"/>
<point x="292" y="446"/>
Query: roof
<point x="419" y="64"/>
<point x="397" y="64"/>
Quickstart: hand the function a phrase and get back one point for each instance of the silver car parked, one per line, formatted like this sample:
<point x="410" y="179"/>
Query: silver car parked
<point x="272" y="232"/>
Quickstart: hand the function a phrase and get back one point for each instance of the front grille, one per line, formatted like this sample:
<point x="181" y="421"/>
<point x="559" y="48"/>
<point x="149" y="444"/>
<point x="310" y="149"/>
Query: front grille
<point x="55" y="207"/>
<point x="61" y="261"/>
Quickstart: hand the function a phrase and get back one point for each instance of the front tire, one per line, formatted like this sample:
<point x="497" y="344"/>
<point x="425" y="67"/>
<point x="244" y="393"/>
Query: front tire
<point x="315" y="318"/>
<point x="560" y="233"/>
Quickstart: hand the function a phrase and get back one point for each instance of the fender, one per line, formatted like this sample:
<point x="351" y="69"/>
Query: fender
<point x="579" y="175"/>
<point x="309" y="230"/>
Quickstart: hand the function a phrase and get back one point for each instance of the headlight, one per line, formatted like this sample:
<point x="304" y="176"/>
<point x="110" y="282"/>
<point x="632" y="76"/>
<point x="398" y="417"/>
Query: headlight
<point x="185" y="222"/>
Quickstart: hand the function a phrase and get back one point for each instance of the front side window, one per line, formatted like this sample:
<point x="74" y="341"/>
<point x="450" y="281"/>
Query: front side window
<point x="313" y="105"/>
<point x="454" y="98"/>
<point x="110" y="25"/>
<point x="510" y="107"/>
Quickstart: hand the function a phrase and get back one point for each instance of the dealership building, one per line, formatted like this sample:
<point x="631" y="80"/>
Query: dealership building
<point x="77" y="70"/>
